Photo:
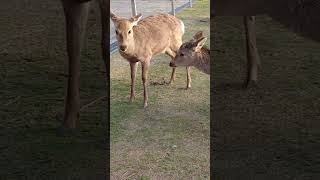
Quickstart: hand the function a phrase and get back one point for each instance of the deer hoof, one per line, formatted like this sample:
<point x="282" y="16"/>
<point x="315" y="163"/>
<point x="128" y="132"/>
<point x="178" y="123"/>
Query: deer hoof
<point x="251" y="84"/>
<point x="145" y="105"/>
<point x="171" y="82"/>
<point x="64" y="132"/>
<point x="131" y="99"/>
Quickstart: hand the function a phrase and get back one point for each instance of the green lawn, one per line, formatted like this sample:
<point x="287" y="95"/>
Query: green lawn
<point x="170" y="139"/>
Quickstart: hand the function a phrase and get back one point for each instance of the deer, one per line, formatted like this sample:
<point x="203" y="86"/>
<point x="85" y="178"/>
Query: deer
<point x="193" y="53"/>
<point x="301" y="17"/>
<point x="76" y="16"/>
<point x="140" y="40"/>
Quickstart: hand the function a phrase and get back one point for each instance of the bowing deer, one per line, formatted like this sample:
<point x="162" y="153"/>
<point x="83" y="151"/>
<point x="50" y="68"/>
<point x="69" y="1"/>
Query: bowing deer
<point x="193" y="53"/>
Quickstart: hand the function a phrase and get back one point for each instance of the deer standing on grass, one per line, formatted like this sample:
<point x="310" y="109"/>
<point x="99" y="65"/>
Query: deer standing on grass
<point x="193" y="53"/>
<point x="76" y="16"/>
<point x="140" y="40"/>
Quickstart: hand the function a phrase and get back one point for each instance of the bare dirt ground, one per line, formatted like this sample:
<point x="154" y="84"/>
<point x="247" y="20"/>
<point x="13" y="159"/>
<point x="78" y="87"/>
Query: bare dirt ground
<point x="33" y="75"/>
<point x="272" y="131"/>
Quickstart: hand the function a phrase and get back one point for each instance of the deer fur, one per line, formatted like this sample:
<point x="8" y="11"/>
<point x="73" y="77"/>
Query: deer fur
<point x="193" y="53"/>
<point x="140" y="40"/>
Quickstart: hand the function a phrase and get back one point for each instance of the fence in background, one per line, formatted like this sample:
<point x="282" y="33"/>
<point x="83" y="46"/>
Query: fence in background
<point x="146" y="7"/>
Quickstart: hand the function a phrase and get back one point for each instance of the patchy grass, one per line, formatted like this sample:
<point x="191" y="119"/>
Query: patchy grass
<point x="170" y="139"/>
<point x="33" y="75"/>
<point x="272" y="131"/>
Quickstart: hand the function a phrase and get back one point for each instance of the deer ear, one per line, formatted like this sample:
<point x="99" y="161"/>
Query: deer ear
<point x="199" y="43"/>
<point x="135" y="19"/>
<point x="198" y="35"/>
<point x="114" y="17"/>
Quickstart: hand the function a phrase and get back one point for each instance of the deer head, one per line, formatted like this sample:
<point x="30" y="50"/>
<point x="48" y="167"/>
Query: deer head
<point x="124" y="30"/>
<point x="187" y="54"/>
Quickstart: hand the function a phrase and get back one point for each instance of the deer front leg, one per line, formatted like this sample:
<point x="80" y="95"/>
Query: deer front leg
<point x="173" y="76"/>
<point x="172" y="54"/>
<point x="76" y="17"/>
<point x="145" y="68"/>
<point x="252" y="51"/>
<point x="188" y="68"/>
<point x="133" y="68"/>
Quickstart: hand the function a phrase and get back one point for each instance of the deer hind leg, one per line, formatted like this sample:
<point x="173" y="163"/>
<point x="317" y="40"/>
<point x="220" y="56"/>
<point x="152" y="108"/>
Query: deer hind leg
<point x="172" y="54"/>
<point x="188" y="68"/>
<point x="133" y="68"/>
<point x="252" y="51"/>
<point x="145" y="69"/>
<point x="76" y="15"/>
<point x="104" y="9"/>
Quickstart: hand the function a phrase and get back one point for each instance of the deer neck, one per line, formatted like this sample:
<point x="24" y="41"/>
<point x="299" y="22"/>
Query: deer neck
<point x="202" y="61"/>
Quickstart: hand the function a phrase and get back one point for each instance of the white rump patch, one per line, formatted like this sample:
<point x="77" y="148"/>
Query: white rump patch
<point x="182" y="27"/>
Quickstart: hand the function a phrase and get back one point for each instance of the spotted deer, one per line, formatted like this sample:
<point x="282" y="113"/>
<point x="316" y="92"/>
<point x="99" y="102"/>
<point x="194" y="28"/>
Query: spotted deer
<point x="193" y="53"/>
<point x="140" y="40"/>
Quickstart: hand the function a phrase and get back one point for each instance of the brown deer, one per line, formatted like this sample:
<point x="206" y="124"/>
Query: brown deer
<point x="140" y="40"/>
<point x="193" y="53"/>
<point x="76" y="15"/>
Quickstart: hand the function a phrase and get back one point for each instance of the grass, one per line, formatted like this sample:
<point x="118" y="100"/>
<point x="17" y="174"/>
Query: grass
<point x="170" y="139"/>
<point x="33" y="78"/>
<point x="272" y="131"/>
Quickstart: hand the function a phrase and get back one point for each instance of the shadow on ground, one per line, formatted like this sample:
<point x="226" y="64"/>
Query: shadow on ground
<point x="271" y="131"/>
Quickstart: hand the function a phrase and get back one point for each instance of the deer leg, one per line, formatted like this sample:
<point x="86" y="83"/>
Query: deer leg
<point x="173" y="76"/>
<point x="104" y="9"/>
<point x="172" y="54"/>
<point x="133" y="68"/>
<point x="145" y="68"/>
<point x="76" y="16"/>
<point x="252" y="51"/>
<point x="188" y="68"/>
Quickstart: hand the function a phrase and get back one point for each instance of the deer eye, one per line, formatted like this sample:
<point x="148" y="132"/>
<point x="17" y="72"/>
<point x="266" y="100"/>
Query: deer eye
<point x="129" y="32"/>
<point x="117" y="32"/>
<point x="181" y="54"/>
